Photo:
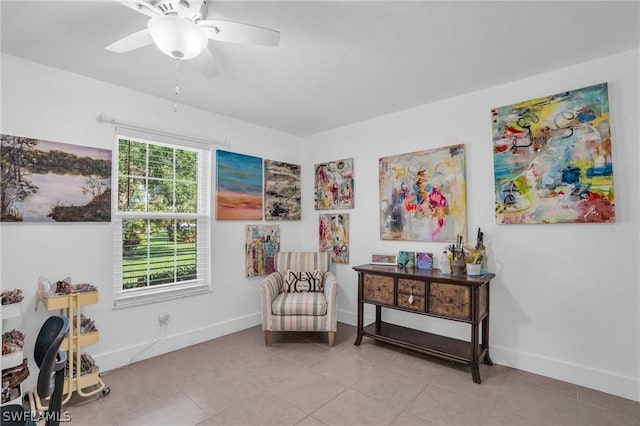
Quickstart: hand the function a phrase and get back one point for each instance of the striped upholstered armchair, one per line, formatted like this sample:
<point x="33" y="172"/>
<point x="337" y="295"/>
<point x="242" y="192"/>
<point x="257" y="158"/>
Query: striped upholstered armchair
<point x="300" y="295"/>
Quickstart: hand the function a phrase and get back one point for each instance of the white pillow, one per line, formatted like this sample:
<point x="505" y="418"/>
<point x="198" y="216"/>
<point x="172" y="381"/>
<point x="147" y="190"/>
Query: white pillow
<point x="303" y="282"/>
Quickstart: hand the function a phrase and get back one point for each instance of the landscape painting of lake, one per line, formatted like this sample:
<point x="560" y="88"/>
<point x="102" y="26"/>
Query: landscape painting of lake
<point x="44" y="181"/>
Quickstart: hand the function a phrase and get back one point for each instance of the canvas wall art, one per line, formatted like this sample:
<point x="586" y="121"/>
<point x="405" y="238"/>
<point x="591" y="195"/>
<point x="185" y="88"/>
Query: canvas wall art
<point x="281" y="191"/>
<point x="384" y="259"/>
<point x="552" y="159"/>
<point x="238" y="186"/>
<point x="262" y="244"/>
<point x="334" y="236"/>
<point x="423" y="195"/>
<point x="406" y="259"/>
<point x="424" y="260"/>
<point x="334" y="185"/>
<point x="44" y="181"/>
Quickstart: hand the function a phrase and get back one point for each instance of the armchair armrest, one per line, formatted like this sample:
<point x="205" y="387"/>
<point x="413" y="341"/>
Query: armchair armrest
<point x="271" y="286"/>
<point x="330" y="286"/>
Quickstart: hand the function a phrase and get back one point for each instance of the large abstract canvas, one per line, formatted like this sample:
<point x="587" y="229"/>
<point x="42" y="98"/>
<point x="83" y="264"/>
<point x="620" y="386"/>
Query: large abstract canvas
<point x="43" y="181"/>
<point x="262" y="244"/>
<point x="281" y="191"/>
<point x="423" y="195"/>
<point x="552" y="159"/>
<point x="239" y="186"/>
<point x="334" y="236"/>
<point x="334" y="185"/>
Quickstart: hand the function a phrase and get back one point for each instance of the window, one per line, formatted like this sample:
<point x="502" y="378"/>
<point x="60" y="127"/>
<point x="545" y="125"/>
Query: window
<point x="161" y="220"/>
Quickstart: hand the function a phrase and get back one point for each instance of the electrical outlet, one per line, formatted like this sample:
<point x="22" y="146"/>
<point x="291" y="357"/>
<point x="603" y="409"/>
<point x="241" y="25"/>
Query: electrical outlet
<point x="163" y="318"/>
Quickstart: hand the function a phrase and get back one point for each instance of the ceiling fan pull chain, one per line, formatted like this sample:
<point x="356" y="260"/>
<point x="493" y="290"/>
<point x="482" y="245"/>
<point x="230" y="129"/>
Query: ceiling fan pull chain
<point x="175" y="105"/>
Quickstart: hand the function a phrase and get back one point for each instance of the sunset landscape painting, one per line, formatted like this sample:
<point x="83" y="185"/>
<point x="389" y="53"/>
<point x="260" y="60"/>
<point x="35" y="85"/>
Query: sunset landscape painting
<point x="238" y="186"/>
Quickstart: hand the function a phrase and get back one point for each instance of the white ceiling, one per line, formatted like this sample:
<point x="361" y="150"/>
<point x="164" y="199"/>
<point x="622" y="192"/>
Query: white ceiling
<point x="338" y="62"/>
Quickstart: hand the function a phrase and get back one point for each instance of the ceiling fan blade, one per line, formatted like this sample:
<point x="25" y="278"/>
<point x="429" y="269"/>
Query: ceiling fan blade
<point x="206" y="64"/>
<point x="133" y="41"/>
<point x="141" y="6"/>
<point x="236" y="32"/>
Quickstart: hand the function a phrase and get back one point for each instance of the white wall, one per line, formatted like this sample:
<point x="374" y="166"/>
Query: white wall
<point x="565" y="301"/>
<point x="54" y="105"/>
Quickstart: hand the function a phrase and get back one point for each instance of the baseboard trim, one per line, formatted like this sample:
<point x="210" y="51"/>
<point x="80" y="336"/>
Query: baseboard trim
<point x="601" y="380"/>
<point x="347" y="317"/>
<point x="122" y="356"/>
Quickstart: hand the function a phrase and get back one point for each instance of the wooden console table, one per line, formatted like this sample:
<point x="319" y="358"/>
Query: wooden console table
<point x="429" y="293"/>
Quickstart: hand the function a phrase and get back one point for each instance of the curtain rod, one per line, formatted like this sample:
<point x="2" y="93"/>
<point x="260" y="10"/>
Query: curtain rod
<point x="103" y="118"/>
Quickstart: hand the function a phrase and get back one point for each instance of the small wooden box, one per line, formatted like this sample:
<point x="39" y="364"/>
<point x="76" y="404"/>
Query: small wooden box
<point x="378" y="288"/>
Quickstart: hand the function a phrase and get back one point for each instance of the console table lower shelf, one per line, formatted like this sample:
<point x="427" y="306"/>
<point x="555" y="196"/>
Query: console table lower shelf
<point x="429" y="293"/>
<point x="442" y="347"/>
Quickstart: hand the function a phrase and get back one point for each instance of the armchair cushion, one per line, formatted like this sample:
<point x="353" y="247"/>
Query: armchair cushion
<point x="292" y="304"/>
<point x="301" y="282"/>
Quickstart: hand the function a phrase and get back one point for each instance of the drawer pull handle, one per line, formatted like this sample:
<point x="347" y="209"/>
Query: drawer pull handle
<point x="411" y="297"/>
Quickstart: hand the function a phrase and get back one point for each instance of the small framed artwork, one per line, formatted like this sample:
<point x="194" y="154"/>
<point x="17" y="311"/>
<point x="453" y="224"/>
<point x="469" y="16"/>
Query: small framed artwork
<point x="407" y="259"/>
<point x="333" y="187"/>
<point x="424" y="260"/>
<point x="384" y="259"/>
<point x="262" y="244"/>
<point x="333" y="235"/>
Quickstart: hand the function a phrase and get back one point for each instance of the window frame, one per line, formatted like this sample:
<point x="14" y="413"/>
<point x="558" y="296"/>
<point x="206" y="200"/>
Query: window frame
<point x="124" y="298"/>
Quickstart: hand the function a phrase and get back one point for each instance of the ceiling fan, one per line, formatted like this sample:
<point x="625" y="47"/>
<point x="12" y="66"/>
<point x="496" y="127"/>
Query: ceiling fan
<point x="181" y="30"/>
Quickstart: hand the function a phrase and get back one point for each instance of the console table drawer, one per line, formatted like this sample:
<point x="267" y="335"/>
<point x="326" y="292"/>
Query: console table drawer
<point x="414" y="287"/>
<point x="417" y="304"/>
<point x="378" y="288"/>
<point x="450" y="300"/>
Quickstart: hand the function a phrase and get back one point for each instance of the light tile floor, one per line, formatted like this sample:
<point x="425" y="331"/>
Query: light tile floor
<point x="300" y="380"/>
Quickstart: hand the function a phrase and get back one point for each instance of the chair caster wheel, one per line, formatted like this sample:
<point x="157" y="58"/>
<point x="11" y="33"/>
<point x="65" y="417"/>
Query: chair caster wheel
<point x="106" y="391"/>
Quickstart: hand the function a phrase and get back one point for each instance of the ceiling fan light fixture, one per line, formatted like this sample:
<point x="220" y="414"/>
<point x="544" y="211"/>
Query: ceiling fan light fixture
<point x="177" y="37"/>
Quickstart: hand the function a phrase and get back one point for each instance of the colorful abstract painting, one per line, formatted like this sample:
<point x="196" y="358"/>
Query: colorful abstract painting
<point x="334" y="185"/>
<point x="424" y="260"/>
<point x="552" y="159"/>
<point x="262" y="244"/>
<point x="281" y="191"/>
<point x="423" y="195"/>
<point x="43" y="181"/>
<point x="334" y="236"/>
<point x="238" y="186"/>
<point x="406" y="259"/>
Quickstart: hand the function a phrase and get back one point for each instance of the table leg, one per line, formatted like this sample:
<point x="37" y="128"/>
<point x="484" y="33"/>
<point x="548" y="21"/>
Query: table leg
<point x="485" y="333"/>
<point x="485" y="340"/>
<point x="475" y="369"/>
<point x="360" y="311"/>
<point x="475" y="373"/>
<point x="360" y="327"/>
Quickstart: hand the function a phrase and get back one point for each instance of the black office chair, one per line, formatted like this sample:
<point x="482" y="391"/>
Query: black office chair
<point x="51" y="361"/>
